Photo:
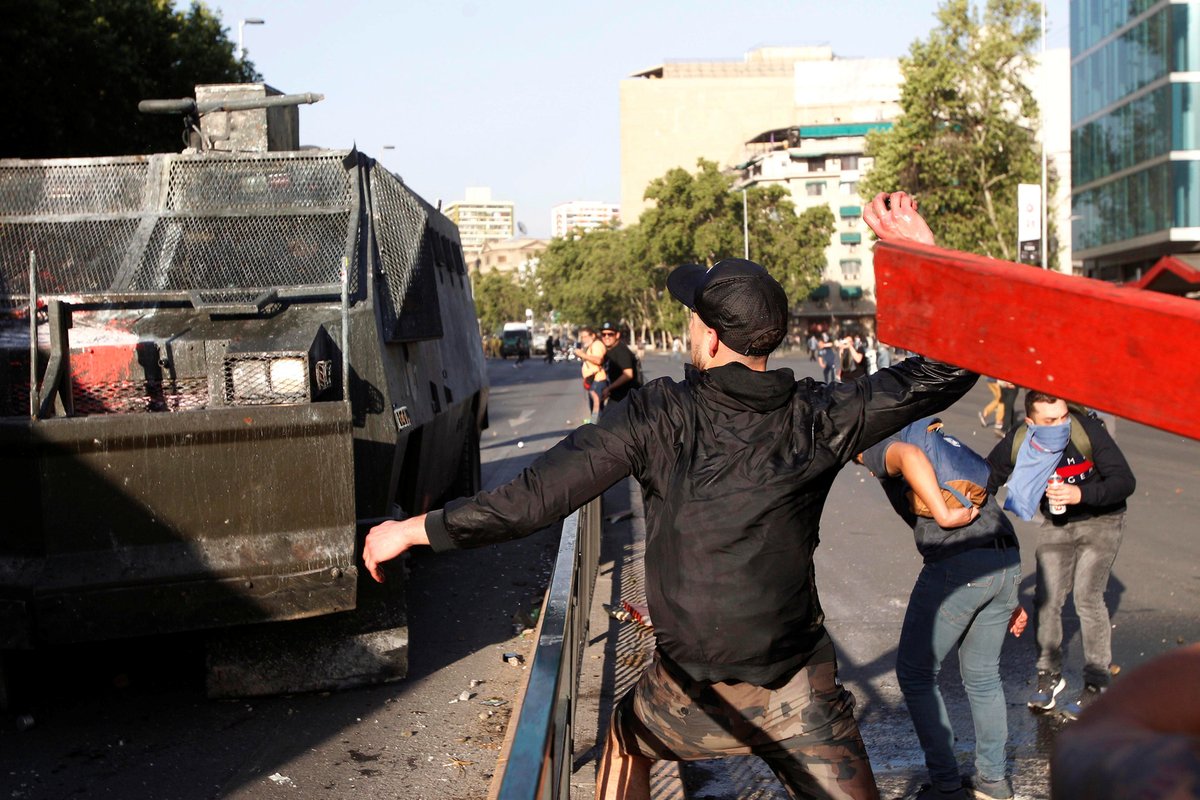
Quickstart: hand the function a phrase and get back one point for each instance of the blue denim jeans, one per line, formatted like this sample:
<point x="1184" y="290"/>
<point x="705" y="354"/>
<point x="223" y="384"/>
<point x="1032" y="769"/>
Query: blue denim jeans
<point x="962" y="602"/>
<point x="1077" y="557"/>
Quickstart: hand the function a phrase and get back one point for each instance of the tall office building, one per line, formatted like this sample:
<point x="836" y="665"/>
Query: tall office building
<point x="681" y="111"/>
<point x="481" y="219"/>
<point x="1135" y="134"/>
<point x="581" y="215"/>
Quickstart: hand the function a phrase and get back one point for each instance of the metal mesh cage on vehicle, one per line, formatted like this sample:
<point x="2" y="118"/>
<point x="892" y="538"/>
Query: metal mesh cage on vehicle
<point x="178" y="223"/>
<point x="75" y="186"/>
<point x="408" y="301"/>
<point x="135" y="397"/>
<point x="233" y="234"/>
<point x="238" y="185"/>
<point x="197" y="253"/>
<point x="77" y="256"/>
<point x="264" y="380"/>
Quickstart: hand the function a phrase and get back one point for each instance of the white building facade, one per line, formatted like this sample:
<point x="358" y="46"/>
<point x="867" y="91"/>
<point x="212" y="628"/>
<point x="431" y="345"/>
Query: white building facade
<point x="582" y="216"/>
<point x="481" y="219"/>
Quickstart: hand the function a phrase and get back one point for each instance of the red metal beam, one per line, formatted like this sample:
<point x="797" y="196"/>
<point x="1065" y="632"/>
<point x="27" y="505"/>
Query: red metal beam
<point x="1132" y="353"/>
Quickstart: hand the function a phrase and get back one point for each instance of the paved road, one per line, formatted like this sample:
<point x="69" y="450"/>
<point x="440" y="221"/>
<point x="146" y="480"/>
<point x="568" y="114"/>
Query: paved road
<point x="130" y="720"/>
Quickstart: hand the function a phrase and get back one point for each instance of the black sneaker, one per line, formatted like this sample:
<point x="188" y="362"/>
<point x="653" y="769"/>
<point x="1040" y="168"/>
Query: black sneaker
<point x="1090" y="692"/>
<point x="1049" y="686"/>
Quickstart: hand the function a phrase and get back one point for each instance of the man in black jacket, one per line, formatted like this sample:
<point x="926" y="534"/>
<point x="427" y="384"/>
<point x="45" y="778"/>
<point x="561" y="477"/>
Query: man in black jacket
<point x="735" y="463"/>
<point x="1076" y="546"/>
<point x="620" y="364"/>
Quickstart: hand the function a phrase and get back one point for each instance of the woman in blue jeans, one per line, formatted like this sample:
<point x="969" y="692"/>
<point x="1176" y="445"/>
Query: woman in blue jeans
<point x="965" y="598"/>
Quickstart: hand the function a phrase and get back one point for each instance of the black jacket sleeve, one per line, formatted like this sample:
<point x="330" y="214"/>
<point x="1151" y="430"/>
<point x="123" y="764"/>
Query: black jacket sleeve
<point x="1113" y="480"/>
<point x="562" y="479"/>
<point x="1000" y="460"/>
<point x="865" y="411"/>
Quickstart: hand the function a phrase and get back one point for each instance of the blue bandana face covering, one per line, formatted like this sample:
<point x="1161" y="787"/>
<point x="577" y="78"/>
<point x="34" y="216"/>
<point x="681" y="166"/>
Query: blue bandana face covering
<point x="1036" y="459"/>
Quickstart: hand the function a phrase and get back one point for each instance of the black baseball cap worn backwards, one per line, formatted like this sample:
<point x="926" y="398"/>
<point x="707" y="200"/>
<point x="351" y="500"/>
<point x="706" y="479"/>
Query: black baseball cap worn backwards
<point x="738" y="299"/>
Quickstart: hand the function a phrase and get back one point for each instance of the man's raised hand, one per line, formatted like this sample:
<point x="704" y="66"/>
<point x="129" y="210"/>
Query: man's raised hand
<point x="894" y="217"/>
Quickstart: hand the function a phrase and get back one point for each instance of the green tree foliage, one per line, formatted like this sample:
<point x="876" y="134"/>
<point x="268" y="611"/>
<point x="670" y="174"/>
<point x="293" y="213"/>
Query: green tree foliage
<point x="589" y="278"/>
<point x="695" y="218"/>
<point x="74" y="71"/>
<point x="967" y="133"/>
<point x="622" y="274"/>
<point x="791" y="246"/>
<point x="499" y="298"/>
<point x="698" y="219"/>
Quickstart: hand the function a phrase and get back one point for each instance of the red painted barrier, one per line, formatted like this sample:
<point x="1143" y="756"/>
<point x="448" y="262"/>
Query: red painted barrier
<point x="1132" y="353"/>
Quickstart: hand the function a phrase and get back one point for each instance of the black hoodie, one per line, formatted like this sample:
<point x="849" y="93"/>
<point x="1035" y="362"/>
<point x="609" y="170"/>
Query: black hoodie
<point x="735" y="466"/>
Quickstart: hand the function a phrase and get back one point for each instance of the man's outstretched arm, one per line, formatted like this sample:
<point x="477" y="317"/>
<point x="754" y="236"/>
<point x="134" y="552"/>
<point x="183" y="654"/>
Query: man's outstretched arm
<point x="389" y="539"/>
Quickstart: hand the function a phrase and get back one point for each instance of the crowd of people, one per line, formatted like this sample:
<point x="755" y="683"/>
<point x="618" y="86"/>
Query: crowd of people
<point x="735" y="463"/>
<point x="848" y="357"/>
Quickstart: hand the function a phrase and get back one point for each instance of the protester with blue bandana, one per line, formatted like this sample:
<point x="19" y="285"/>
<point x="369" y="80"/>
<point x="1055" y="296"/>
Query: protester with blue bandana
<point x="1076" y="548"/>
<point x="1037" y="458"/>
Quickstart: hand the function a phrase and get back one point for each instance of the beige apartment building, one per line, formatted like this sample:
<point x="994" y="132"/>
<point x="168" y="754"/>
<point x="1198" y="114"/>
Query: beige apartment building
<point x="481" y="219"/>
<point x="518" y="257"/>
<point x="679" y="112"/>
<point x="582" y="216"/>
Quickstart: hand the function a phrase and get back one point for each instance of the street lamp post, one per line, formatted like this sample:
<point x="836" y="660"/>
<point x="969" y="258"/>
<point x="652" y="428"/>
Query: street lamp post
<point x="241" y="27"/>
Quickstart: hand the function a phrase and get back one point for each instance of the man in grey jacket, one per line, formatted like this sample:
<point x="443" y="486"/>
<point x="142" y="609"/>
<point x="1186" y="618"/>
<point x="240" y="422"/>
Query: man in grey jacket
<point x="735" y="463"/>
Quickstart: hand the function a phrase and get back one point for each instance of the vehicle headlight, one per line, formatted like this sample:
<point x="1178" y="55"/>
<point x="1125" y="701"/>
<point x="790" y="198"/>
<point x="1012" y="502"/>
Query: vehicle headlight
<point x="266" y="379"/>
<point x="288" y="376"/>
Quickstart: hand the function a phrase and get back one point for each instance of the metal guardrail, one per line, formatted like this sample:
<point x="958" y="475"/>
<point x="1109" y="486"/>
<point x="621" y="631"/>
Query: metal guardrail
<point x="540" y="760"/>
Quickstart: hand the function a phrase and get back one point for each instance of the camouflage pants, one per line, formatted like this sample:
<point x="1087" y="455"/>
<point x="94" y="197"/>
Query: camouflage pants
<point x="803" y="727"/>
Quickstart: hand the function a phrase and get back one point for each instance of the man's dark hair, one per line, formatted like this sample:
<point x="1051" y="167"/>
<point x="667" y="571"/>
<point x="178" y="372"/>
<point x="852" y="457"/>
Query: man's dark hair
<point x="1034" y="396"/>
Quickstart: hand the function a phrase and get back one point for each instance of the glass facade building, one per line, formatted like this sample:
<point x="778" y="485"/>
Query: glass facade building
<point x="1135" y="133"/>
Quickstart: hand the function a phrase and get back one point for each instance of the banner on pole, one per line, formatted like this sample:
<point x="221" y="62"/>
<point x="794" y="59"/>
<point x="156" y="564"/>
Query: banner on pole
<point x="1029" y="223"/>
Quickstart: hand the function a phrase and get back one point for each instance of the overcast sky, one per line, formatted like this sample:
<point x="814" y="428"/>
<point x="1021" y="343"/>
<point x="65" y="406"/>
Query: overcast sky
<point x="520" y="96"/>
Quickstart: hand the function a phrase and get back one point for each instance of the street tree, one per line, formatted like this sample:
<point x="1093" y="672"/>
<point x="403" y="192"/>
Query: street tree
<point x="621" y="274"/>
<point x="697" y="218"/>
<point x="499" y="298"/>
<point x="791" y="246"/>
<point x="588" y="277"/>
<point x="966" y="135"/>
<point x="75" y="71"/>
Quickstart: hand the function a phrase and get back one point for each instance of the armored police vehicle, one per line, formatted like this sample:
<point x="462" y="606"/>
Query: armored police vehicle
<point x="218" y="367"/>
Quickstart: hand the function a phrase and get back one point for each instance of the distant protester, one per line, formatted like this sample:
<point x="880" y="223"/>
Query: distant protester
<point x="1083" y="523"/>
<point x="620" y="364"/>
